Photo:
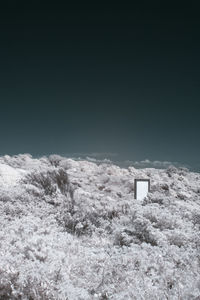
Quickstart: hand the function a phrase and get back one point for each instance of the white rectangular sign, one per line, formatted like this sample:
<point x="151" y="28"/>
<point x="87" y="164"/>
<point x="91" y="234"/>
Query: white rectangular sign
<point x="142" y="187"/>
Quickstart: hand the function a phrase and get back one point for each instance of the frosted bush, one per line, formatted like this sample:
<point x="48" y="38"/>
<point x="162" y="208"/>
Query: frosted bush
<point x="55" y="159"/>
<point x="49" y="181"/>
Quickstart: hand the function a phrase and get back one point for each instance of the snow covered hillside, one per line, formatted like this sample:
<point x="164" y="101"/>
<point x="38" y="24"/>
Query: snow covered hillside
<point x="73" y="230"/>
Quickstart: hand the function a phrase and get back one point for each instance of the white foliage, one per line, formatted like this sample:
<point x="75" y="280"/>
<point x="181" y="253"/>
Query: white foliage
<point x="72" y="230"/>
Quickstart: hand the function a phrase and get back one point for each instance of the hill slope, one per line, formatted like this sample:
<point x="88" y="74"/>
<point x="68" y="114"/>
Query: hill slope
<point x="72" y="230"/>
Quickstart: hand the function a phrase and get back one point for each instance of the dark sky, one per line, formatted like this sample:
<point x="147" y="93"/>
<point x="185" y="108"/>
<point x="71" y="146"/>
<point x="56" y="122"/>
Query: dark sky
<point x="100" y="79"/>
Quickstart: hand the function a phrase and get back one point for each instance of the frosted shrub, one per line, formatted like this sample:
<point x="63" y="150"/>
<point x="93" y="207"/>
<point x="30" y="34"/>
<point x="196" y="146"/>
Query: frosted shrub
<point x="8" y="282"/>
<point x="142" y="230"/>
<point x="55" y="159"/>
<point x="139" y="232"/>
<point x="49" y="181"/>
<point x="17" y="161"/>
<point x="5" y="198"/>
<point x="159" y="219"/>
<point x="196" y="218"/>
<point x="76" y="224"/>
<point x="43" y="181"/>
<point x="12" y="210"/>
<point x="171" y="170"/>
<point x="62" y="180"/>
<point x="123" y="238"/>
<point x="154" y="198"/>
<point x="79" y="222"/>
<point x="183" y="171"/>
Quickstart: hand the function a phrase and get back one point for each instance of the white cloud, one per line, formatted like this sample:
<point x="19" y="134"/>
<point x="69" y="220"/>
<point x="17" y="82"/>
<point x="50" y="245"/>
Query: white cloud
<point x="157" y="164"/>
<point x="102" y="155"/>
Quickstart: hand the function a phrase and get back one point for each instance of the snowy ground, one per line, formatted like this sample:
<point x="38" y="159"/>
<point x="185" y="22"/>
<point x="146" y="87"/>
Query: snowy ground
<point x="73" y="230"/>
